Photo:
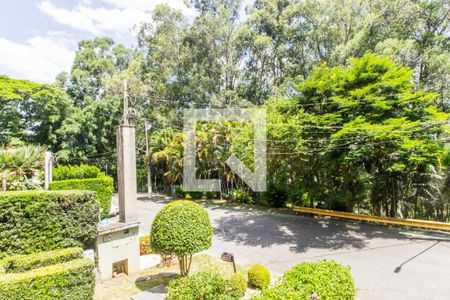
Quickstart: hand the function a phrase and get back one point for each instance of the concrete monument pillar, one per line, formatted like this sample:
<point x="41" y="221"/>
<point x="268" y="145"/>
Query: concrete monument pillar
<point x="126" y="173"/>
<point x="117" y="243"/>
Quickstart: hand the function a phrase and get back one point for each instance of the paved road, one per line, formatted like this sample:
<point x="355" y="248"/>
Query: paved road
<point x="386" y="263"/>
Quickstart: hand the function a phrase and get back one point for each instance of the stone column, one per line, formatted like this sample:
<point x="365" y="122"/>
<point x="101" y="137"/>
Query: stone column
<point x="48" y="166"/>
<point x="126" y="173"/>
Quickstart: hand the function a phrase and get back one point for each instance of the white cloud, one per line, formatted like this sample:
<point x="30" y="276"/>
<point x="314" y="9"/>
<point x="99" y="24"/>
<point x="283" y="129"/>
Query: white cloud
<point x="45" y="55"/>
<point x="123" y="15"/>
<point x="72" y="18"/>
<point x="40" y="59"/>
<point x="148" y="5"/>
<point x="144" y="5"/>
<point x="114" y="20"/>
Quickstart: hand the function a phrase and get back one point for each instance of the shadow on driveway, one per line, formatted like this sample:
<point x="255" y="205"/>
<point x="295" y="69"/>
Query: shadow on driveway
<point x="253" y="228"/>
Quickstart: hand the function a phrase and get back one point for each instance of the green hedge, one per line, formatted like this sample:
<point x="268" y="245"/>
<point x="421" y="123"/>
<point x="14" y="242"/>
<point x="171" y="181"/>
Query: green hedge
<point x="324" y="280"/>
<point x="23" y="263"/>
<point x="103" y="186"/>
<point x="74" y="280"/>
<point x="33" y="221"/>
<point x="76" y="172"/>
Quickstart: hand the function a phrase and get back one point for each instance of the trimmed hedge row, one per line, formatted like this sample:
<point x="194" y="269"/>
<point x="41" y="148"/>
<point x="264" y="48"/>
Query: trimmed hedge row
<point x="74" y="280"/>
<point x="33" y="221"/>
<point x="23" y="263"/>
<point x="103" y="186"/>
<point x="76" y="172"/>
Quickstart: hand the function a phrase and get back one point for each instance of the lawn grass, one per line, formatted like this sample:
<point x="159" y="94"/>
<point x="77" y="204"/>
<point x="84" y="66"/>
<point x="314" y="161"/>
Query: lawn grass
<point x="205" y="262"/>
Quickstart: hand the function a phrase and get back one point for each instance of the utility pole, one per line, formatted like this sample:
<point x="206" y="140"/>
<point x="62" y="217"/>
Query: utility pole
<point x="125" y="102"/>
<point x="148" y="126"/>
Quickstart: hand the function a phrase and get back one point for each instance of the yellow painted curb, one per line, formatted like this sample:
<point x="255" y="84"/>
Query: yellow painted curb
<point x="395" y="221"/>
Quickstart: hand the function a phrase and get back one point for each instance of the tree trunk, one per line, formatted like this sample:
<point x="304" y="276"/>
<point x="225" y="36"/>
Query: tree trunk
<point x="393" y="210"/>
<point x="185" y="264"/>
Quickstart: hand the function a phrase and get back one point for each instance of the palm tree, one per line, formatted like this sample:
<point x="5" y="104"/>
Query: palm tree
<point x="21" y="161"/>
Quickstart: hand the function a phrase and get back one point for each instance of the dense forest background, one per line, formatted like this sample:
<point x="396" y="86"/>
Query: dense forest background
<point x="356" y="92"/>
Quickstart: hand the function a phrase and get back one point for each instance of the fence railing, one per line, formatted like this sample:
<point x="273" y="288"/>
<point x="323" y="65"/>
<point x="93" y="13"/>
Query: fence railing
<point x="395" y="221"/>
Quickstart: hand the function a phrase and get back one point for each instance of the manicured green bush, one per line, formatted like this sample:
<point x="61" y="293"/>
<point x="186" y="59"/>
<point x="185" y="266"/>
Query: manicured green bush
<point x="181" y="228"/>
<point x="238" y="283"/>
<point x="103" y="186"/>
<point x="73" y="280"/>
<point x="203" y="285"/>
<point x="33" y="221"/>
<point x="23" y="263"/>
<point x="326" y="280"/>
<point x="76" y="172"/>
<point x="258" y="276"/>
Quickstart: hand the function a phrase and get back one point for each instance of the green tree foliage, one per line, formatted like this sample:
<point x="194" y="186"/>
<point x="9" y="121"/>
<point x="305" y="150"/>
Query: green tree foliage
<point x="369" y="129"/>
<point x="359" y="135"/>
<point x="354" y="138"/>
<point x="90" y="130"/>
<point x="31" y="112"/>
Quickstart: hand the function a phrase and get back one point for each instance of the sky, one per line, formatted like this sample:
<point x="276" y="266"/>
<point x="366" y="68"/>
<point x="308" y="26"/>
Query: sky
<point x="38" y="38"/>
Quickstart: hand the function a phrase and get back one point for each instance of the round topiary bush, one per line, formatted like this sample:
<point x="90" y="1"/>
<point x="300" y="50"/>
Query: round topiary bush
<point x="258" y="276"/>
<point x="324" y="280"/>
<point x="238" y="283"/>
<point x="181" y="228"/>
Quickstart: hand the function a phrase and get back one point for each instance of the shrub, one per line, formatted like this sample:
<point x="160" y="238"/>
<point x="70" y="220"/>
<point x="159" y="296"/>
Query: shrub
<point x="181" y="193"/>
<point x="32" y="221"/>
<point x="23" y="263"/>
<point x="76" y="172"/>
<point x="144" y="245"/>
<point x="69" y="280"/>
<point x="181" y="228"/>
<point x="238" y="283"/>
<point x="276" y="195"/>
<point x="241" y="196"/>
<point x="103" y="186"/>
<point x="22" y="183"/>
<point x="327" y="279"/>
<point x="258" y="276"/>
<point x="203" y="285"/>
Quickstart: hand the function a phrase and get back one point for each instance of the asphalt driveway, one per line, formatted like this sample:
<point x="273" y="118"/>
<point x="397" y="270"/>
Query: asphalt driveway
<point x="386" y="262"/>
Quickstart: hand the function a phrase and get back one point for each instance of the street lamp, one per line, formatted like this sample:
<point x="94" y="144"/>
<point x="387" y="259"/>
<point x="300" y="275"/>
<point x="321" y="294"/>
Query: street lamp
<point x="148" y="127"/>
